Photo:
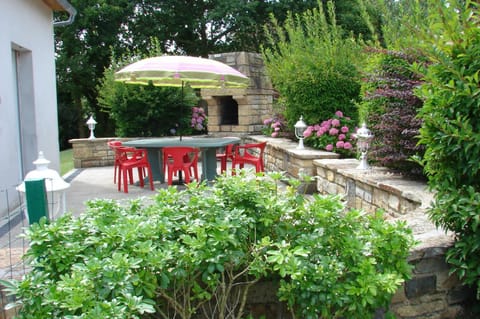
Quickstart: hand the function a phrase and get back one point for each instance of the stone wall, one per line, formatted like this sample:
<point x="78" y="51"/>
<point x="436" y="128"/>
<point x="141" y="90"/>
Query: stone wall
<point x="93" y="152"/>
<point x="431" y="293"/>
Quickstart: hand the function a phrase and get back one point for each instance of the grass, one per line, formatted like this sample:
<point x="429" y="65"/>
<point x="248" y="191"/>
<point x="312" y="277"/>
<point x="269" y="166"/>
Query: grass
<point x="66" y="161"/>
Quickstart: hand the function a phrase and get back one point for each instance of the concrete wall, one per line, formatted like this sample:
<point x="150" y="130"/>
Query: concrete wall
<point x="27" y="90"/>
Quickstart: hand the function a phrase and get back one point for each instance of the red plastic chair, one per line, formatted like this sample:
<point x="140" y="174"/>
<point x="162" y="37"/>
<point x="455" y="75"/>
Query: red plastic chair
<point x="224" y="157"/>
<point x="180" y="159"/>
<point x="130" y="158"/>
<point x="249" y="154"/>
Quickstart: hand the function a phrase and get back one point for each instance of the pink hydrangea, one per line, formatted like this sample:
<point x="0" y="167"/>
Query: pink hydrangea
<point x="308" y="131"/>
<point x="347" y="146"/>
<point x="329" y="147"/>
<point x="339" y="113"/>
<point x="341" y="137"/>
<point x="340" y="144"/>
<point x="333" y="131"/>
<point x="274" y="134"/>
<point x="344" y="129"/>
<point x="335" y="123"/>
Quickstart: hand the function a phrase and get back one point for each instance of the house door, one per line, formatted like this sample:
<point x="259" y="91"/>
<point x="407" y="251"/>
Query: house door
<point x="26" y="127"/>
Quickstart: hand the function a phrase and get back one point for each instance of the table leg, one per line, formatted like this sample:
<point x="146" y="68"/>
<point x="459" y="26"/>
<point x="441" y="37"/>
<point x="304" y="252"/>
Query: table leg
<point x="209" y="164"/>
<point x="155" y="157"/>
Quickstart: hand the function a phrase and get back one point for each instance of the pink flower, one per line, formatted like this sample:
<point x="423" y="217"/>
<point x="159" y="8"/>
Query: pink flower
<point x="329" y="147"/>
<point x="277" y="129"/>
<point x="274" y="134"/>
<point x="347" y="146"/>
<point x="344" y="129"/>
<point x="341" y="137"/>
<point x="267" y="121"/>
<point x="340" y="144"/>
<point x="335" y="122"/>
<point x="339" y="114"/>
<point x="308" y="132"/>
<point x="333" y="131"/>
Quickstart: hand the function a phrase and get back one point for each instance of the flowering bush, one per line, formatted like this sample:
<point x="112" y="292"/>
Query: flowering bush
<point x="199" y="119"/>
<point x="273" y="126"/>
<point x="333" y="135"/>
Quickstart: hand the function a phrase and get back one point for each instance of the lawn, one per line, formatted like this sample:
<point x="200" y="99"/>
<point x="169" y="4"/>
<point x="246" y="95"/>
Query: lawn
<point x="66" y="161"/>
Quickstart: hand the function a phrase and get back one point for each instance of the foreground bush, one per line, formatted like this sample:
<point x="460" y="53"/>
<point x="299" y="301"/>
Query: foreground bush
<point x="197" y="253"/>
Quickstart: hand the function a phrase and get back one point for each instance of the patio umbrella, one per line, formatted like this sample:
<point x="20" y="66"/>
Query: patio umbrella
<point x="177" y="71"/>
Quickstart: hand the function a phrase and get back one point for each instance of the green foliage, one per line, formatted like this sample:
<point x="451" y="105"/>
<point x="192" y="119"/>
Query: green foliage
<point x="182" y="253"/>
<point x="313" y="65"/>
<point x="340" y="264"/>
<point x="451" y="130"/>
<point x="147" y="110"/>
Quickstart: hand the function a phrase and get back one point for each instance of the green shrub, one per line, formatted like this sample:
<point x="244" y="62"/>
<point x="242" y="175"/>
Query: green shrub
<point x="451" y="130"/>
<point x="198" y="252"/>
<point x="147" y="110"/>
<point x="314" y="66"/>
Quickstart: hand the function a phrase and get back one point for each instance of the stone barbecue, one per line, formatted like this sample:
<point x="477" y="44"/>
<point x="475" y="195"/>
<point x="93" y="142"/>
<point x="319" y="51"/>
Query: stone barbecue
<point x="239" y="111"/>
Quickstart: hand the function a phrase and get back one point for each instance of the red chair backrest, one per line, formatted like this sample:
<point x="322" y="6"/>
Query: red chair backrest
<point x="177" y="157"/>
<point x="253" y="150"/>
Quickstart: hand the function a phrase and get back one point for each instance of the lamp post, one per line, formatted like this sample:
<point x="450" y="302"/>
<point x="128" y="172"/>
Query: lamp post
<point x="300" y="128"/>
<point x="363" y="136"/>
<point x="91" y="126"/>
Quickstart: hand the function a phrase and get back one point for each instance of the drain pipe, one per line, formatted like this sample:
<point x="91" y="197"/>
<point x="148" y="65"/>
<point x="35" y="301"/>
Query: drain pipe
<point x="71" y="11"/>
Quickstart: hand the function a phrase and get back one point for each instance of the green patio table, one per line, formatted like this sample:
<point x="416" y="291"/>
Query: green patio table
<point x="207" y="145"/>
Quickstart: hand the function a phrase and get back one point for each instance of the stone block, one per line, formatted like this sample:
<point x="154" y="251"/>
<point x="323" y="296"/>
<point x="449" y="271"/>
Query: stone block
<point x="420" y="286"/>
<point x="393" y="202"/>
<point x="330" y="176"/>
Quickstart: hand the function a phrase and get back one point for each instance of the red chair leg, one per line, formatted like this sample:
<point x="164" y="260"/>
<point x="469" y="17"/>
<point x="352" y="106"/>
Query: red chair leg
<point x="125" y="181"/>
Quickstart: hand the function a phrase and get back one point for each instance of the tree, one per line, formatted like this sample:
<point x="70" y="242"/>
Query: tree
<point x="110" y="27"/>
<point x="83" y="53"/>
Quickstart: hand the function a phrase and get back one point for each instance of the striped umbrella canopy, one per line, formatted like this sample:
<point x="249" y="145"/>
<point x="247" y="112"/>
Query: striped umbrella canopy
<point x="177" y="70"/>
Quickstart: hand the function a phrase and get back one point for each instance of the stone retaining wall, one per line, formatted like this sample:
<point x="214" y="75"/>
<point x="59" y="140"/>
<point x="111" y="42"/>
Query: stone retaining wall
<point x="431" y="293"/>
<point x="93" y="152"/>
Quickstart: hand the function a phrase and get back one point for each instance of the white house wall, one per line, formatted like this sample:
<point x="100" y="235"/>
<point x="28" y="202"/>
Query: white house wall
<point x="26" y="27"/>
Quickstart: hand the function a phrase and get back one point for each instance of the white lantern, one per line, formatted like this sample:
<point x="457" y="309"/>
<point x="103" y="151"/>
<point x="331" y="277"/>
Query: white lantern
<point x="54" y="185"/>
<point x="300" y="128"/>
<point x="91" y="126"/>
<point x="363" y="137"/>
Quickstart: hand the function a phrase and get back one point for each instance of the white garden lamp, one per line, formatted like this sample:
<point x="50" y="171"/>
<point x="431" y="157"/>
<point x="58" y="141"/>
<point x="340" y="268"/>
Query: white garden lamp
<point x="300" y="128"/>
<point x="55" y="185"/>
<point x="363" y="136"/>
<point x="91" y="126"/>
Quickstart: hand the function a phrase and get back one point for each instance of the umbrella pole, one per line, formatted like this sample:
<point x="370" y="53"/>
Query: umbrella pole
<point x="181" y="114"/>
